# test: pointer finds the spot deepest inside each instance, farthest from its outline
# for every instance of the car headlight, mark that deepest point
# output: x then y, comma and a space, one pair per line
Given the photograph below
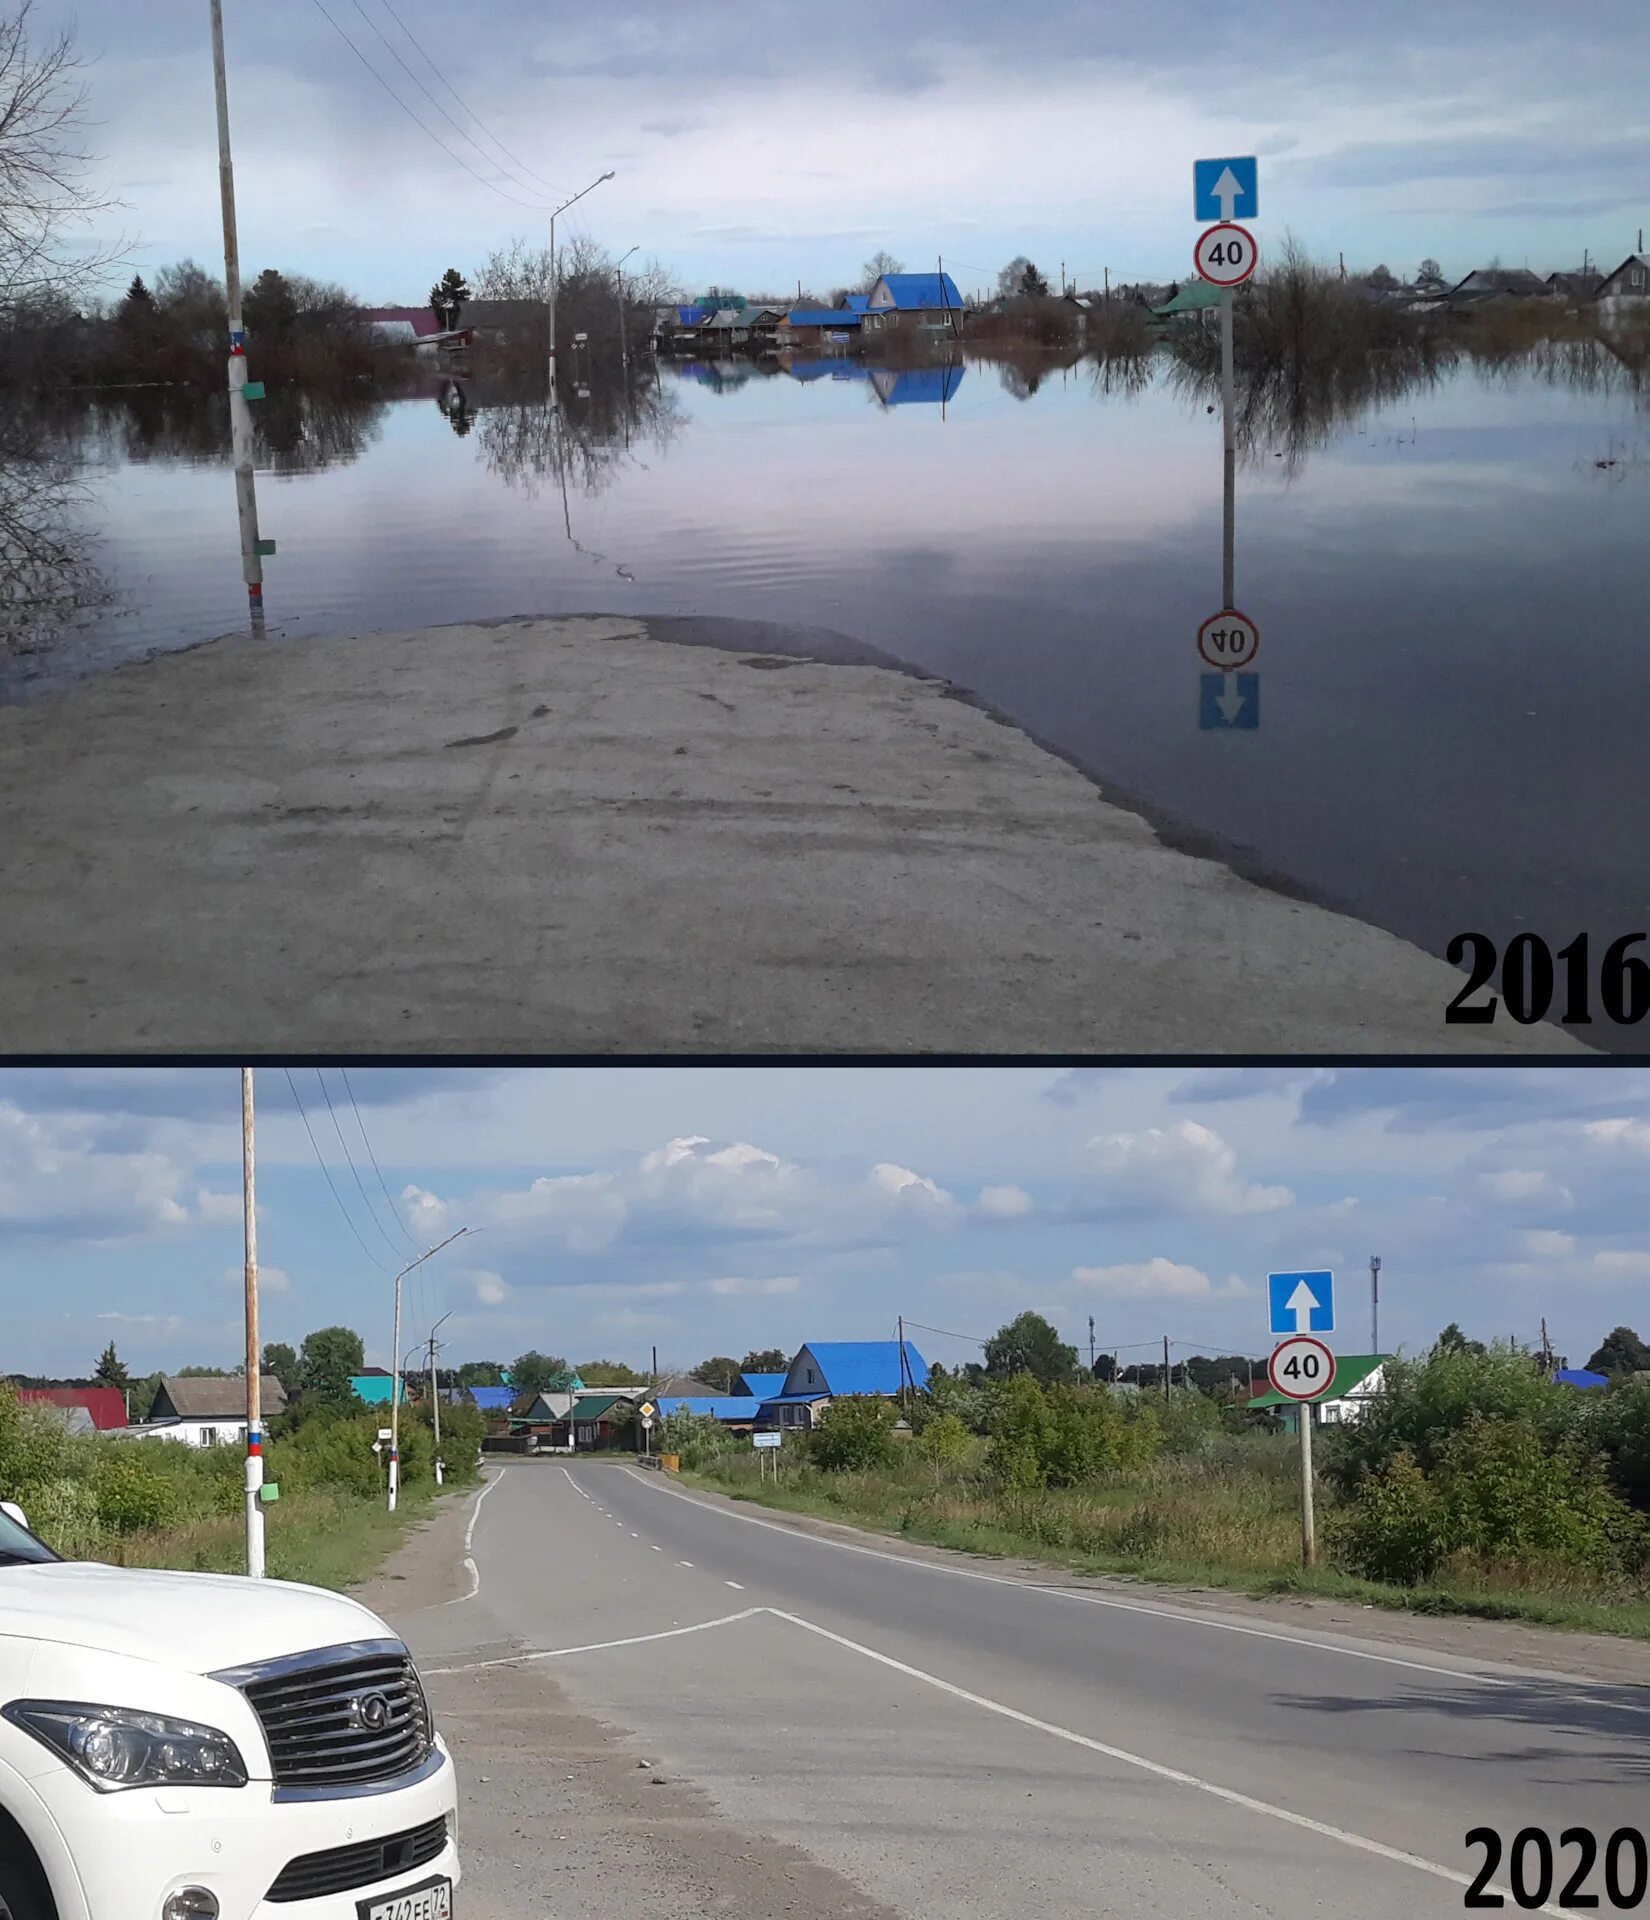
117, 1747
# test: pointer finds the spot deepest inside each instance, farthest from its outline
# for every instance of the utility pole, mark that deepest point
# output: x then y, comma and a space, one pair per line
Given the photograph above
1107, 272
254, 1362
1546, 1348
435, 1398
395, 1354
554, 274
1374, 1303
1165, 1366
240, 417
1091, 1346
904, 1403
624, 348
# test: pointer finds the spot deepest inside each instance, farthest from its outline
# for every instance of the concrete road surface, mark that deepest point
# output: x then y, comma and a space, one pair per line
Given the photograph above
945, 1741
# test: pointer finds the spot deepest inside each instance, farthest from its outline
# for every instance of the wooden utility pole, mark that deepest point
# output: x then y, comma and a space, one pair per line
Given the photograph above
435, 1398
1165, 1366
254, 1361
1091, 1346
240, 416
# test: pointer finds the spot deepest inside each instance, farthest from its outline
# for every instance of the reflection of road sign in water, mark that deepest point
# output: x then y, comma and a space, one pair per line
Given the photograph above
1300, 1302
1226, 189
1225, 255
1229, 701
1228, 640
1301, 1368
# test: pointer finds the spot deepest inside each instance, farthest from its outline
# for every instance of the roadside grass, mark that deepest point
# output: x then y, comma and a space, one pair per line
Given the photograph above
322, 1538
1179, 1522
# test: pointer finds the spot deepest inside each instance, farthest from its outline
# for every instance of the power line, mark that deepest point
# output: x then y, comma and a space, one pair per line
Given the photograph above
348, 1221
395, 1211
366, 1200
434, 102
492, 185
520, 165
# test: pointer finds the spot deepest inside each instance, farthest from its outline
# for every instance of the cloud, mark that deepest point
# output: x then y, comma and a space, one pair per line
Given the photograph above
732, 1285
1158, 1279
60, 1177
1634, 1135
163, 1322
1005, 1203
1546, 1243
909, 1187
1622, 1263
1186, 1166
220, 1208
1525, 1186
490, 1289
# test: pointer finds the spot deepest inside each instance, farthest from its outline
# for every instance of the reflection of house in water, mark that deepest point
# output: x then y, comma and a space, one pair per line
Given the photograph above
810, 370
916, 386
721, 376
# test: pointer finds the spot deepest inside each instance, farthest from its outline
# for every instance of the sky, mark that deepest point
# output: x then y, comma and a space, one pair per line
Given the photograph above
760, 145
709, 1210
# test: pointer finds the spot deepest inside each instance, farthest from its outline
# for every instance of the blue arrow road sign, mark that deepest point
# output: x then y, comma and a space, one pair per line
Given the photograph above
1229, 700
1226, 189
1300, 1302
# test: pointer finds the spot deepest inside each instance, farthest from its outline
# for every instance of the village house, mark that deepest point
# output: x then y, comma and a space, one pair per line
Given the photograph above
207, 1412
828, 1370
1485, 284
914, 302
820, 327
1628, 288
1360, 1379
82, 1409
1580, 285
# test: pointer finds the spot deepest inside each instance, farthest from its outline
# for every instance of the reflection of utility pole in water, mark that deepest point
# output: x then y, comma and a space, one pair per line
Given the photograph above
240, 416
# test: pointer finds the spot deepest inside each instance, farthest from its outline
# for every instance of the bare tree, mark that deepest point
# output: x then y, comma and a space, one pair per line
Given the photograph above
874, 268
1010, 280
515, 272
42, 165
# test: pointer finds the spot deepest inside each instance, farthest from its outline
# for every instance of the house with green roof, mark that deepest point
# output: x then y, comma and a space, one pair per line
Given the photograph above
1360, 1379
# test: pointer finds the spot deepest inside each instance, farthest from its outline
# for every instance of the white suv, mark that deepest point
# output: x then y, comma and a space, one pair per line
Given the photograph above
190, 1746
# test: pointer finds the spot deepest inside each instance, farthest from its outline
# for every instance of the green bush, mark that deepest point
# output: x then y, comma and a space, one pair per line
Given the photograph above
1394, 1530
1616, 1425
856, 1434
944, 1443
138, 1491
697, 1437
1021, 1437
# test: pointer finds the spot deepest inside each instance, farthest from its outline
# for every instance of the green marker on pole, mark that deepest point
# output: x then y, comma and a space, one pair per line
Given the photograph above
253, 390
266, 546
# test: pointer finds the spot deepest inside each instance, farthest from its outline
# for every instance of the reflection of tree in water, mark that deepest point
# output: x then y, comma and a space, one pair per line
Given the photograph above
299, 429
1286, 410
47, 576
527, 445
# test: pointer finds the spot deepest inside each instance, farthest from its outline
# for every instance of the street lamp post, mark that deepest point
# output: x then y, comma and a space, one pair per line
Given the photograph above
624, 345
554, 276
395, 1350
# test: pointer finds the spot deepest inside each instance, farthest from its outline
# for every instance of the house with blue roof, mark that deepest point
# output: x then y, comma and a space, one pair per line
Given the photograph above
914, 302
828, 1370
856, 302
732, 1409
819, 326
762, 1385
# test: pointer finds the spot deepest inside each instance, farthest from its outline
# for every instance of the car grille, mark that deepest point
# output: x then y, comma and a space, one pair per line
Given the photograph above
312, 1876
346, 1717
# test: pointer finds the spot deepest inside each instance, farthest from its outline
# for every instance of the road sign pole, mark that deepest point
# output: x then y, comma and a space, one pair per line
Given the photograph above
1229, 453
1309, 1530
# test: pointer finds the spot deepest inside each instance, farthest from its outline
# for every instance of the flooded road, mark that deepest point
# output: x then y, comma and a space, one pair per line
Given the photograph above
1450, 587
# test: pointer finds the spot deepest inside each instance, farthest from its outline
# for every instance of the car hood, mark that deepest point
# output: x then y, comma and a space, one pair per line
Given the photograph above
196, 1622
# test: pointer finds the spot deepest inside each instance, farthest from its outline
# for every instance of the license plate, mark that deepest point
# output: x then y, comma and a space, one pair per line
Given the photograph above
433, 1901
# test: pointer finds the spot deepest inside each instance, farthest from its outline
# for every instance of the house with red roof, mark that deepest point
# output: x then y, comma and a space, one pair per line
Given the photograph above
104, 1406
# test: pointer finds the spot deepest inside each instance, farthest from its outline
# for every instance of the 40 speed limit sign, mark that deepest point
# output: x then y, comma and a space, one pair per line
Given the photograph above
1301, 1368
1226, 255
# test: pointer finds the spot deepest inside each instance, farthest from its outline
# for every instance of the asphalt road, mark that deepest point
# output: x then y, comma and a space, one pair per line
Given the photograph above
954, 1743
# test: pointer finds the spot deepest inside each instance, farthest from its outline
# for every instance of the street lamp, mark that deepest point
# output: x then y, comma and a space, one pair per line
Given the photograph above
624, 349
553, 273
395, 1349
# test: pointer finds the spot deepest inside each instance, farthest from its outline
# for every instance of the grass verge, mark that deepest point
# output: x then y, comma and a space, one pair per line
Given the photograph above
321, 1537
1256, 1562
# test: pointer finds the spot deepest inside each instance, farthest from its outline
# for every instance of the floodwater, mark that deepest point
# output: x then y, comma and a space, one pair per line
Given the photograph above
1451, 584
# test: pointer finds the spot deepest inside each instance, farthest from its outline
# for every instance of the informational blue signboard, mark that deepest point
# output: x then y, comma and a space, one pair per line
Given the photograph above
1226, 189
1229, 701
1300, 1302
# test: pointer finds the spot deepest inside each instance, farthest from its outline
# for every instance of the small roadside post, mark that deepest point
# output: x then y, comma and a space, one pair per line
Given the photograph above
765, 1444
1300, 1306
1225, 191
